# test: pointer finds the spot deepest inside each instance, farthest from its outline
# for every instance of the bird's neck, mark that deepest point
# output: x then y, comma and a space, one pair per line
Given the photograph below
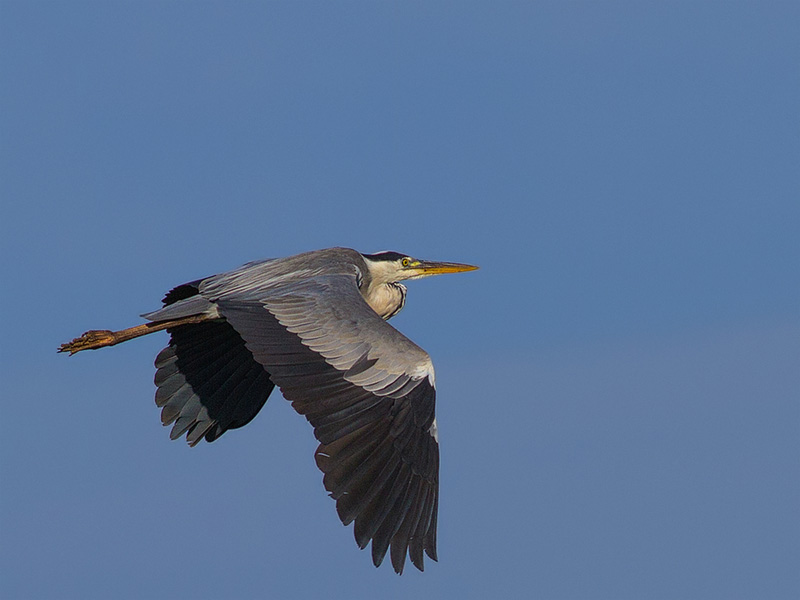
386, 299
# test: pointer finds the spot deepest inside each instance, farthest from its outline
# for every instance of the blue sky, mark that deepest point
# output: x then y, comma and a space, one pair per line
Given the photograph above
618, 397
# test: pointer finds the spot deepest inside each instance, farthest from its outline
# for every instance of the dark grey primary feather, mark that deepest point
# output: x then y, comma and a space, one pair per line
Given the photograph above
302, 324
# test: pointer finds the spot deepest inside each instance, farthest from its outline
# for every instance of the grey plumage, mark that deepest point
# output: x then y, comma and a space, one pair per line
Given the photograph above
314, 325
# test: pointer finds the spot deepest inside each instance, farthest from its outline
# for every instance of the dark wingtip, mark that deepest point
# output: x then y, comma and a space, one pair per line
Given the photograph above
379, 553
361, 540
398, 552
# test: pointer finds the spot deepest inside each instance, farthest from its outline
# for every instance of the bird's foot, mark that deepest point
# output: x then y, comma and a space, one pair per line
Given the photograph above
91, 340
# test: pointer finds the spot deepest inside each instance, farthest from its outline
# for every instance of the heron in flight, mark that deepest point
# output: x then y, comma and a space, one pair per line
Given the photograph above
314, 325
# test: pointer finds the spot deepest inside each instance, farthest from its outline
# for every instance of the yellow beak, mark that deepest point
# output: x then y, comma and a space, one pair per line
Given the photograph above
425, 268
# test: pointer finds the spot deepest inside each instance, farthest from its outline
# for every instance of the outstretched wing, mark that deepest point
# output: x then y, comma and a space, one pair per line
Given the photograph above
207, 380
367, 390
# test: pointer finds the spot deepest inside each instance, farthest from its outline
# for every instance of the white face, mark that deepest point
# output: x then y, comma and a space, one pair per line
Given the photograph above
386, 271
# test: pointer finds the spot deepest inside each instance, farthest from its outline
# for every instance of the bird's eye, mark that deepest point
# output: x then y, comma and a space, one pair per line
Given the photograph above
405, 262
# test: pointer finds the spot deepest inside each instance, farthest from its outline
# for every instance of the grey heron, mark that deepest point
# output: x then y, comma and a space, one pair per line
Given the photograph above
315, 325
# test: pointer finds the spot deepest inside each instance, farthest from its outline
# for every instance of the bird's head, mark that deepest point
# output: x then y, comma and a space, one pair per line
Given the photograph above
390, 267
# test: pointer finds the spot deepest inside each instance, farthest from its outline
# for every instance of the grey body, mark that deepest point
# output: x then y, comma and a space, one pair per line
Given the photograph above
314, 325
